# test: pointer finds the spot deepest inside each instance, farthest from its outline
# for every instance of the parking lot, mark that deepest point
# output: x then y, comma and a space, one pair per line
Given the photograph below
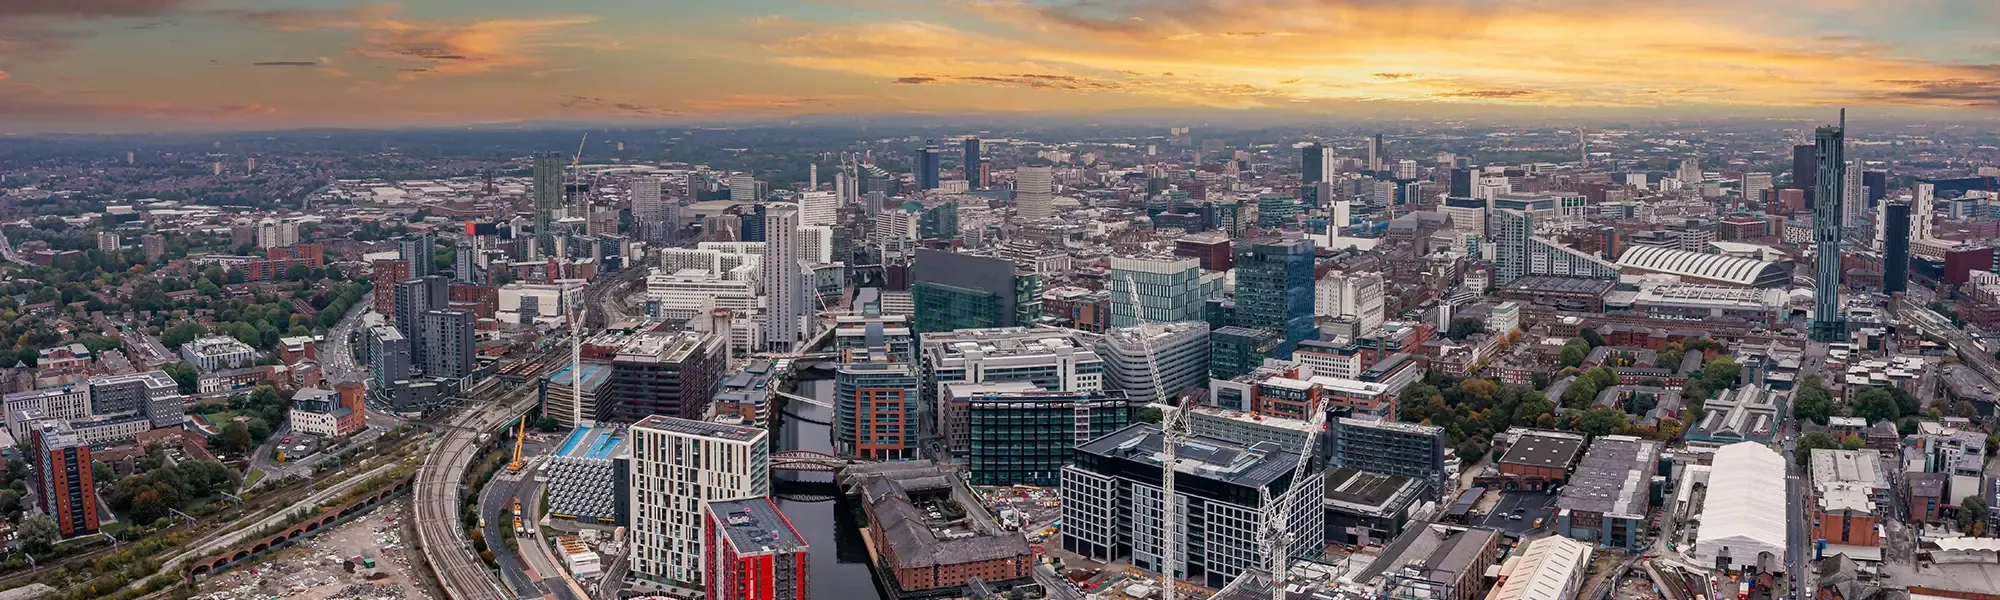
1531, 504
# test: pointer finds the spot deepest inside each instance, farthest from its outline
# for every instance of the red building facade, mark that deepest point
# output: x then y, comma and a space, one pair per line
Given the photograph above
753, 552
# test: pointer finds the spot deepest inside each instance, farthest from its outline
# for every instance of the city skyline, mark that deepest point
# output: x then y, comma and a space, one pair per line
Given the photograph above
136, 65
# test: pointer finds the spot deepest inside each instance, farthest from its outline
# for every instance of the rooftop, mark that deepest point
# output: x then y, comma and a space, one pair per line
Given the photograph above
1446, 549
1537, 449
699, 428
1614, 477
1359, 490
593, 442
754, 526
1255, 466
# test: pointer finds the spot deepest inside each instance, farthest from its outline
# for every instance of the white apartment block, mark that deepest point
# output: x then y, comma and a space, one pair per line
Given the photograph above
678, 466
690, 292
819, 209
1357, 295
217, 353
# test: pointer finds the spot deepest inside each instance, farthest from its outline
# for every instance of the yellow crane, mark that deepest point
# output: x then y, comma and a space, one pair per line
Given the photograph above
518, 436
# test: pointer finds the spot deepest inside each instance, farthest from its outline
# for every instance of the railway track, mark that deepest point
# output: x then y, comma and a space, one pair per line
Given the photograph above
440, 483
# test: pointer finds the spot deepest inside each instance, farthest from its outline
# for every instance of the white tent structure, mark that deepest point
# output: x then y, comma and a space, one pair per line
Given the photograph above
1743, 517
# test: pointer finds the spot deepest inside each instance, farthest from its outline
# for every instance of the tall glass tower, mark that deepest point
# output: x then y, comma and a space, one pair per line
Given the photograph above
548, 199
1274, 290
1828, 179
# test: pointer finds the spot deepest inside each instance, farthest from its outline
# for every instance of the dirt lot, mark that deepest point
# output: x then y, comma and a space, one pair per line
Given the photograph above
303, 570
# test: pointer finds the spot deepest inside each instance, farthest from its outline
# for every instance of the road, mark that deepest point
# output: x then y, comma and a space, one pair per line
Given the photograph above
440, 484
1937, 326
531, 572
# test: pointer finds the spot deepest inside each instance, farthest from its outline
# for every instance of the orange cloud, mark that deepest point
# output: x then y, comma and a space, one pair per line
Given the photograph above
435, 48
1265, 53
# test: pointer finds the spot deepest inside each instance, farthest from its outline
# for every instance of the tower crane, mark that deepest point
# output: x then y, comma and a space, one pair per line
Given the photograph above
1173, 433
1276, 538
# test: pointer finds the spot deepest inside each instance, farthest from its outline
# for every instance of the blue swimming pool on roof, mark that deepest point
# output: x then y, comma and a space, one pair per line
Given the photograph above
606, 441
575, 437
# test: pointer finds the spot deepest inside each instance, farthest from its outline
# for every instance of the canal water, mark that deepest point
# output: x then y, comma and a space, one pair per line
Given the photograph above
837, 564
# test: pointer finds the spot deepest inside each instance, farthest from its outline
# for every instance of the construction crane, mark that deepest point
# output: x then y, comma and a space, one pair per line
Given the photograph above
1275, 539
1173, 433
519, 434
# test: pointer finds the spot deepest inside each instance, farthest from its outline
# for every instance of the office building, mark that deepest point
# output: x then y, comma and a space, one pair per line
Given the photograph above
753, 553
1235, 351
62, 483
1112, 504
318, 412
960, 291
448, 343
562, 399
1461, 183
651, 220
1051, 360
1896, 247
1385, 446
1353, 295
876, 410
1274, 290
1830, 155
974, 167
1607, 500
678, 467
217, 353
743, 188
928, 166
673, 374
785, 312
1275, 210
1179, 351
548, 191
874, 337
1034, 192
538, 304
1754, 186
1023, 435
1376, 157
1168, 288
1312, 164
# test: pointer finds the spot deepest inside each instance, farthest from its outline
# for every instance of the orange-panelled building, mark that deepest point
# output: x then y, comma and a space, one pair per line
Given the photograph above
754, 553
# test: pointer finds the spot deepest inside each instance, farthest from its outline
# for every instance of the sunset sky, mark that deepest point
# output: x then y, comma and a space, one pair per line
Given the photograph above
102, 65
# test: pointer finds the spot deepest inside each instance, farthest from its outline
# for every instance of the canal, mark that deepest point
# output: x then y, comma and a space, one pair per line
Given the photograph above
837, 562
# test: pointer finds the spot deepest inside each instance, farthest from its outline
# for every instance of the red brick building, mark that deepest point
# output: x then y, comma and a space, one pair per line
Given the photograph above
753, 552
356, 417
386, 273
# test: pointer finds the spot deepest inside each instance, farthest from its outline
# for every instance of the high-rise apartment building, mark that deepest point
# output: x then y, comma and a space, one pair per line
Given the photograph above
1034, 192
548, 190
413, 297
1830, 155
1853, 198
63, 485
678, 467
386, 274
1376, 157
1179, 351
154, 245
1754, 185
1356, 295
1168, 288
1274, 290
648, 210
1112, 504
277, 233
785, 312
753, 552
388, 357
448, 343
928, 166
416, 250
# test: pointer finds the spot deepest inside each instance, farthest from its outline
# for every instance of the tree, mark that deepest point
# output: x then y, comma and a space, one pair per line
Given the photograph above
1811, 441
1151, 414
1464, 328
1813, 402
1573, 353
1581, 393
1669, 358
1591, 337
184, 375
100, 473
182, 333
39, 533
547, 424
1853, 443
1602, 421
234, 439
1721, 373
1876, 404
1972, 515
10, 501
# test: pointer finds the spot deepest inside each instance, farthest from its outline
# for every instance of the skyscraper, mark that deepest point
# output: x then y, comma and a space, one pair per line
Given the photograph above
1461, 182
1853, 197
819, 208
1828, 185
781, 272
448, 340
413, 298
648, 210
1274, 290
62, 480
1896, 248
1034, 192
548, 199
670, 489
1511, 230
1805, 171
927, 168
974, 169
1375, 155
464, 268
1312, 168
1754, 184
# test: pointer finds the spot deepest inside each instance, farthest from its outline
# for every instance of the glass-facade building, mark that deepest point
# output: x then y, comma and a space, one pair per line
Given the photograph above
1235, 351
1026, 436
1168, 289
960, 291
1274, 291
